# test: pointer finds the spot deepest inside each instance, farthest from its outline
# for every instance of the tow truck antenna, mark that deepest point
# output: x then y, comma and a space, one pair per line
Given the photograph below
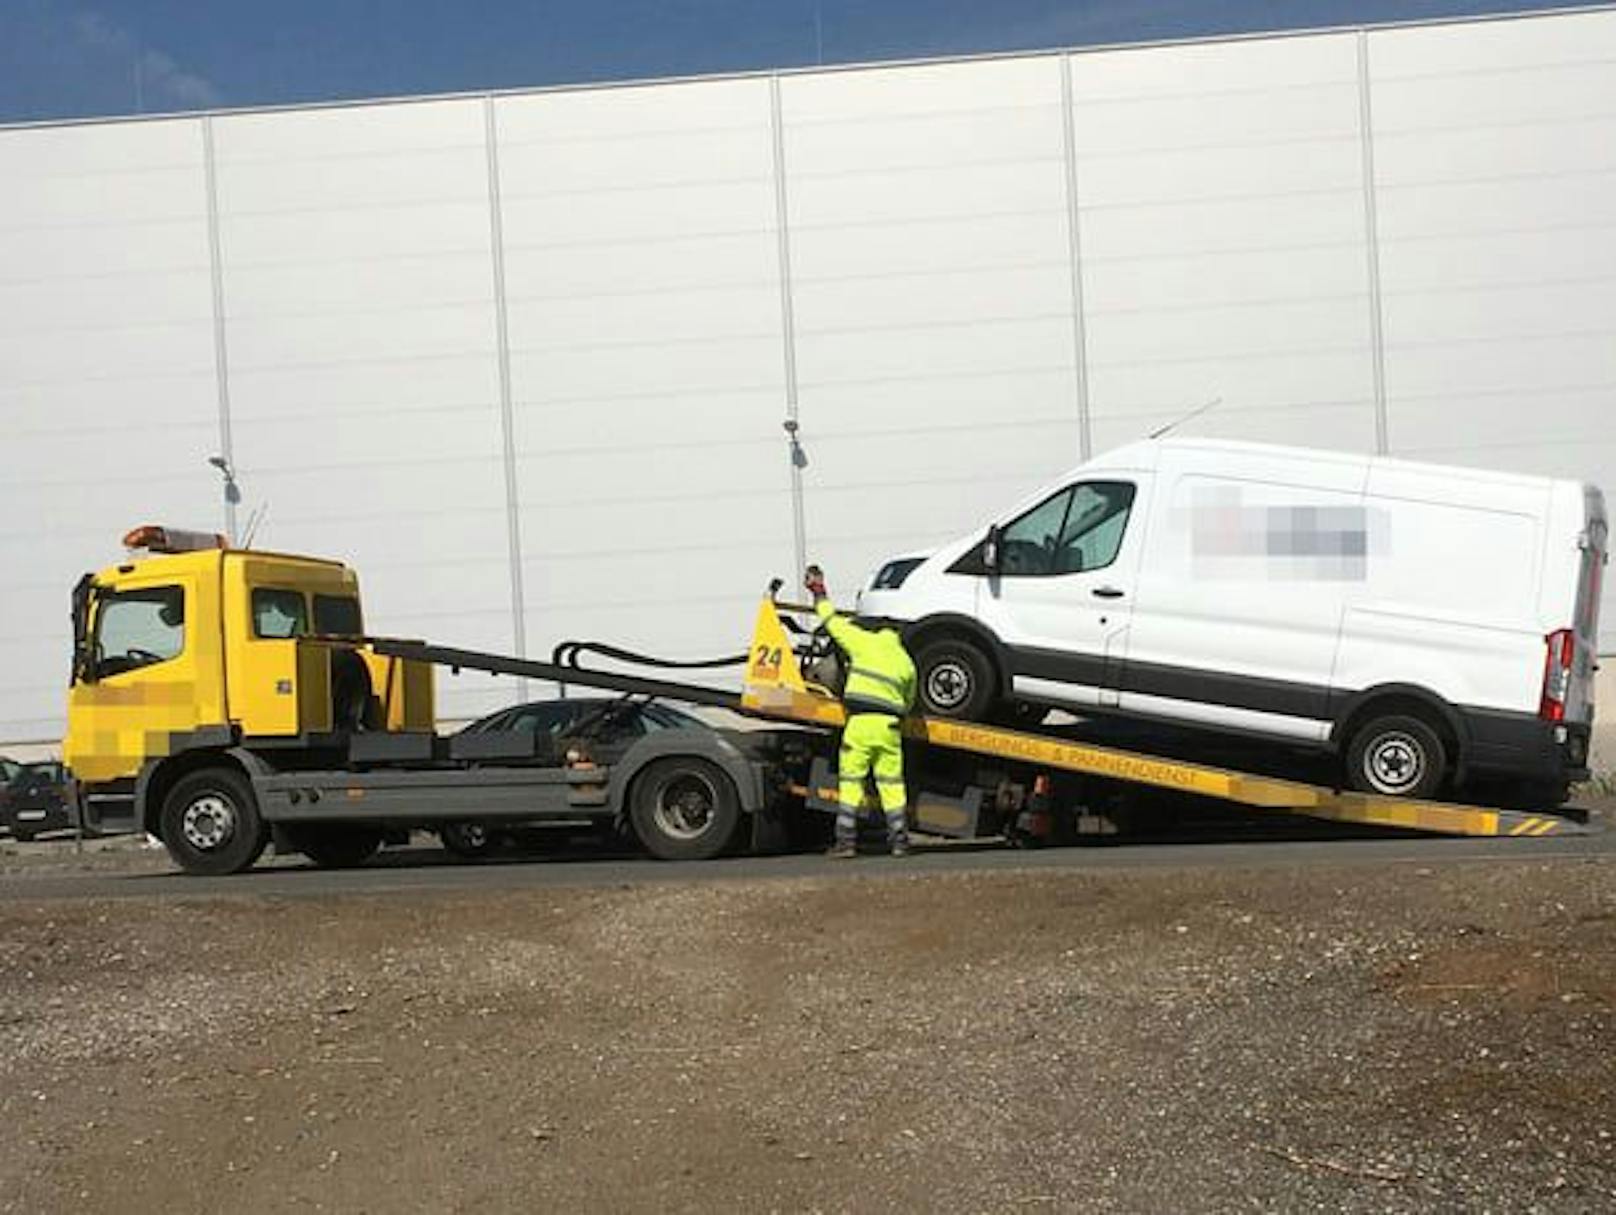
253, 520
1177, 422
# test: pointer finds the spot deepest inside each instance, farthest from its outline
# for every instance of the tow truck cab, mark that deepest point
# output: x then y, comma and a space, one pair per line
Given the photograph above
189, 648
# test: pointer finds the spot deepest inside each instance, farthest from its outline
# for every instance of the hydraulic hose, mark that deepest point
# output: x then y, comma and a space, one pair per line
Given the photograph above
568, 652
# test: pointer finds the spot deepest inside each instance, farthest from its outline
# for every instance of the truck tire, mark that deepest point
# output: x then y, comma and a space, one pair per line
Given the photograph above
956, 679
470, 840
22, 837
684, 809
336, 845
210, 823
1396, 756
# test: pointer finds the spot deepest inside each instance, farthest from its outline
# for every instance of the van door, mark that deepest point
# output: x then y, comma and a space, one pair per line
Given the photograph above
1061, 596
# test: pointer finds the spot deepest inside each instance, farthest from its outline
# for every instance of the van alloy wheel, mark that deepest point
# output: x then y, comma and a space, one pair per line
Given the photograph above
956, 679
1398, 755
948, 685
1394, 763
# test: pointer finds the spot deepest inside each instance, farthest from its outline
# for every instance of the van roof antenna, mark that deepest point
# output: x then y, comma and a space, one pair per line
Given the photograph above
1177, 422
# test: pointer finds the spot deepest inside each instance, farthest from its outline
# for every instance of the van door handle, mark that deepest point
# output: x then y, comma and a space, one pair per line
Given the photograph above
1107, 592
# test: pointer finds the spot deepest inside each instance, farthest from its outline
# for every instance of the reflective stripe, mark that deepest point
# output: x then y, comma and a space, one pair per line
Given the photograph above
889, 780
865, 672
868, 706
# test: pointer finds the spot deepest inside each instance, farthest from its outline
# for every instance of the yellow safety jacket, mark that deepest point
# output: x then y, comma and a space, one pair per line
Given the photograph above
881, 676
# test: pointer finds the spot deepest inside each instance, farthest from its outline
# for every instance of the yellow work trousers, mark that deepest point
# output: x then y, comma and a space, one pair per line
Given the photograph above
872, 745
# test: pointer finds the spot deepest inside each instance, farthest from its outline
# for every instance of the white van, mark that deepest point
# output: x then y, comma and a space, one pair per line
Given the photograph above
1434, 626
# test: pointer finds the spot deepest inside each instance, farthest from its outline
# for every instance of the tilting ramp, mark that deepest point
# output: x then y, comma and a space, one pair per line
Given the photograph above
775, 688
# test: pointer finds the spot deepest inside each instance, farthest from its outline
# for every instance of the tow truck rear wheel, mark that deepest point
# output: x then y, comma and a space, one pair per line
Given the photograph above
684, 809
336, 845
210, 823
470, 840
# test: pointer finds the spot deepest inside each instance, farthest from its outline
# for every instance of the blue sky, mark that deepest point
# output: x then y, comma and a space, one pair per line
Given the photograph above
67, 59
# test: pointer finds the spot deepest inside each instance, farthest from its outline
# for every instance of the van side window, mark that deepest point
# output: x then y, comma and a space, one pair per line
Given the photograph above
1075, 531
279, 614
1095, 523
139, 628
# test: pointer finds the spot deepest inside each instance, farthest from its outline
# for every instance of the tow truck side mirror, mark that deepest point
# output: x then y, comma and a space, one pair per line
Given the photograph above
992, 550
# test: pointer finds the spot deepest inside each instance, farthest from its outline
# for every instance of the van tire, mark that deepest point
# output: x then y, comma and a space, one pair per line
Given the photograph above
210, 823
955, 679
1396, 756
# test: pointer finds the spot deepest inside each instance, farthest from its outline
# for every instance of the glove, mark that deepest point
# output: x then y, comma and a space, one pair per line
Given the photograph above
814, 580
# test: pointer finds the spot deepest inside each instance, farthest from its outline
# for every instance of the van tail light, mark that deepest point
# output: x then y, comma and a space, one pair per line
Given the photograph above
1557, 665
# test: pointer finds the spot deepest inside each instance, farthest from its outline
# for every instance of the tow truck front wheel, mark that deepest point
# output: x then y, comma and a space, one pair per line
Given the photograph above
210, 823
684, 809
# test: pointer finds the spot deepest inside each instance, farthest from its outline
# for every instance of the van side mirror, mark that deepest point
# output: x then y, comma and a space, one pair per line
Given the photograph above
992, 550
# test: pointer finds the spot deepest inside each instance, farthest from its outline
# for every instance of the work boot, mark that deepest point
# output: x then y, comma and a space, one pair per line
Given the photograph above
843, 850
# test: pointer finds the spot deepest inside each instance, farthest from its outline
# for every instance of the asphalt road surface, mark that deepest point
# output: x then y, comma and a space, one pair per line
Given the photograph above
430, 869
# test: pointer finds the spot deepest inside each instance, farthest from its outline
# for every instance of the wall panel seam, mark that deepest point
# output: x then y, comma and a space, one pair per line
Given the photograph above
1377, 335
1074, 241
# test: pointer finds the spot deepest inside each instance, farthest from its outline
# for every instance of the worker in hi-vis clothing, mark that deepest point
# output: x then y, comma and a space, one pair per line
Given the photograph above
880, 689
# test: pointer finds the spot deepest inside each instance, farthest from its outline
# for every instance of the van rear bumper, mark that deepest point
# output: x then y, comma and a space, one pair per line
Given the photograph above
1524, 747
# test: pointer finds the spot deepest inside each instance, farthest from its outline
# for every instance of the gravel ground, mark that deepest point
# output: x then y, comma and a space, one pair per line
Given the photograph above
1341, 1038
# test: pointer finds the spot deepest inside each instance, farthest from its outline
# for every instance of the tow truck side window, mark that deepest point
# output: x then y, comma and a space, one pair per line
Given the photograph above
279, 614
139, 628
337, 616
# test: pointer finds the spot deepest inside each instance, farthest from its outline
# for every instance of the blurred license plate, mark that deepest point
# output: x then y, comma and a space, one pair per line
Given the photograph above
30, 816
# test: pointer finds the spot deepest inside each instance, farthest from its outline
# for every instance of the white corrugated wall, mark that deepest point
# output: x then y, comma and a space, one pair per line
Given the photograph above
524, 360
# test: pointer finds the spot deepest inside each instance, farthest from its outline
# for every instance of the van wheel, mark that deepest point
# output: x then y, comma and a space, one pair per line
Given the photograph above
956, 680
684, 809
210, 823
1396, 757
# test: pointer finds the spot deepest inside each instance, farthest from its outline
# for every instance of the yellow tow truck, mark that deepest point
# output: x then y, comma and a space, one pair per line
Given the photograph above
222, 698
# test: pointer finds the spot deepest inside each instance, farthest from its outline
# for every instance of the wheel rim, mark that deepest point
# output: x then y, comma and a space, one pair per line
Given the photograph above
209, 822
948, 685
474, 835
1394, 763
685, 806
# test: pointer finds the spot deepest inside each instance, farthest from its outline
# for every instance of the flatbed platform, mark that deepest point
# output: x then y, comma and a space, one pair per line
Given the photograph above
775, 690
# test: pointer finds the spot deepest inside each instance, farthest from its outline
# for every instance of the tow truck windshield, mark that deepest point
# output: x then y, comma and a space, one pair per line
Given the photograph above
134, 629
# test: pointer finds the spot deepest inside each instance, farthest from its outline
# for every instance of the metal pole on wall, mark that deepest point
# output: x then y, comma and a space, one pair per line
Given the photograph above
221, 353
797, 458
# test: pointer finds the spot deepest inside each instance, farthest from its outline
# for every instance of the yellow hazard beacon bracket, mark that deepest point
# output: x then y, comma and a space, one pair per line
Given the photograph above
775, 688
